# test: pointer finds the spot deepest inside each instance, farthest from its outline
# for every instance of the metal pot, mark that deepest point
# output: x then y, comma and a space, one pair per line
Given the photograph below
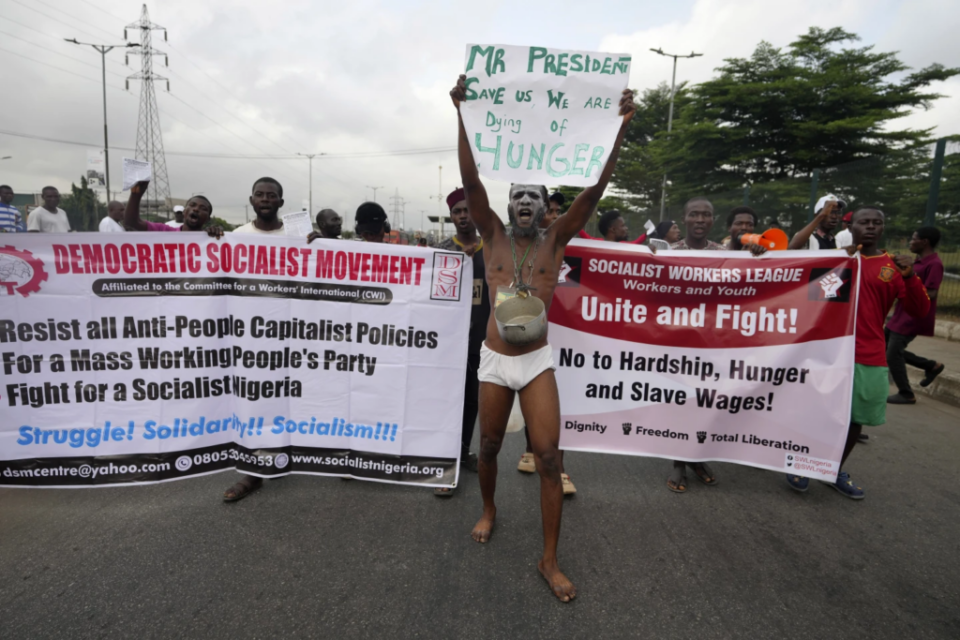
521, 321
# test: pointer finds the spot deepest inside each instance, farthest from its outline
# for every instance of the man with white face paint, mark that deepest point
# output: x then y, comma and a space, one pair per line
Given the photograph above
525, 261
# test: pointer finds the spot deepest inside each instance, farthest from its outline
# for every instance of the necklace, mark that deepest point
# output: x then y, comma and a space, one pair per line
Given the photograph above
523, 288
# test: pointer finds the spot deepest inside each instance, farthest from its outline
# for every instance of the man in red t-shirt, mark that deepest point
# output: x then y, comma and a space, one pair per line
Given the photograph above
883, 280
902, 329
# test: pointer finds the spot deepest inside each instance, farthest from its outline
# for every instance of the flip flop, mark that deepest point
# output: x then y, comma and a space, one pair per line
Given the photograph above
568, 488
443, 492
704, 473
527, 464
678, 478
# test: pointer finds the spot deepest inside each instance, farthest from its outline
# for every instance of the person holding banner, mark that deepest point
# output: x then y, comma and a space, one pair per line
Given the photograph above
330, 224
698, 218
266, 200
740, 220
467, 241
883, 281
196, 214
507, 368
371, 222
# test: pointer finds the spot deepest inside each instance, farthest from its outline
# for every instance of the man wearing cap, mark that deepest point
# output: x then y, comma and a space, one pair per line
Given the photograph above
523, 263
371, 222
845, 237
177, 221
467, 241
819, 233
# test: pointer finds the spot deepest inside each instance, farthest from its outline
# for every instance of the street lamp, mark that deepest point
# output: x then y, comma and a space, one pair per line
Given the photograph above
673, 91
104, 49
309, 157
374, 191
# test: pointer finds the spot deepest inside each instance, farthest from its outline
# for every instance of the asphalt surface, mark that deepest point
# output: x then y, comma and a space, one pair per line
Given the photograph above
307, 556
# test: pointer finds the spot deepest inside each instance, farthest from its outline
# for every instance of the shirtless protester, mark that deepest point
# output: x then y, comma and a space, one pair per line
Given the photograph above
506, 369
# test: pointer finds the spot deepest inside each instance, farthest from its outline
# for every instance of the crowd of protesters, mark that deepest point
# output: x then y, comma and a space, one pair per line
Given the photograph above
881, 342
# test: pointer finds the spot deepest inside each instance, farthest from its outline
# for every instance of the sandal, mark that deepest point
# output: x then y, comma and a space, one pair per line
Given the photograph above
568, 488
527, 464
798, 483
443, 492
677, 482
704, 473
242, 489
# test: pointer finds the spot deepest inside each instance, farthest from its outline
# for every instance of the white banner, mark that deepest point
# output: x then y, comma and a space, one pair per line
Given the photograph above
162, 356
96, 169
707, 355
535, 115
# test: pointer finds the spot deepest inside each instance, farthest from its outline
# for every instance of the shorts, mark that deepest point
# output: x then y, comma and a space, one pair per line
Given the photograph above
870, 390
514, 372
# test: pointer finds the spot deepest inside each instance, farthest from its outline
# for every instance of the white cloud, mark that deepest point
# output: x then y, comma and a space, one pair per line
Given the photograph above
370, 75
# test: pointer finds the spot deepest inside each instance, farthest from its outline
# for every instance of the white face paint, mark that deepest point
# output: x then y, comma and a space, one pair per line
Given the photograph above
528, 205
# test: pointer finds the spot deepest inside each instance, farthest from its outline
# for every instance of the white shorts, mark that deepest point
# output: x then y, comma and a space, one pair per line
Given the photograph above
514, 372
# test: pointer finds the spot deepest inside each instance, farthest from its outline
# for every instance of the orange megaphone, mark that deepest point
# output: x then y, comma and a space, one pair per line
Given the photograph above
772, 239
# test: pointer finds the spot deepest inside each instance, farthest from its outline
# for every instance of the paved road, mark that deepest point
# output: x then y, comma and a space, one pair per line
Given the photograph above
307, 557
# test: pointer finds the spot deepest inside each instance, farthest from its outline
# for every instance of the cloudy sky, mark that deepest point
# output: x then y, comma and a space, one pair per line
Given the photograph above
359, 80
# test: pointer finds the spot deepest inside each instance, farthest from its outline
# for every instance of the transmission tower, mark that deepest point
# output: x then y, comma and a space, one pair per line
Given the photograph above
149, 135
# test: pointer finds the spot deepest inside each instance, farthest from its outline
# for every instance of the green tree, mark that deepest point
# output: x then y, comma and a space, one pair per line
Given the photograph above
637, 173
223, 223
83, 207
769, 121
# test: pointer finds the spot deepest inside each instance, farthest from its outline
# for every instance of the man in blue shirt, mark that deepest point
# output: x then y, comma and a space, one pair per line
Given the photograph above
10, 219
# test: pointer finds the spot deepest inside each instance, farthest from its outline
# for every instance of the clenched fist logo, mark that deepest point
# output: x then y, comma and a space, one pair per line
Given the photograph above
626, 428
701, 436
830, 284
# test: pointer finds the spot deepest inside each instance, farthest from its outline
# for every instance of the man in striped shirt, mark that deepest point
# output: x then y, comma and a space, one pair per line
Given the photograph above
10, 219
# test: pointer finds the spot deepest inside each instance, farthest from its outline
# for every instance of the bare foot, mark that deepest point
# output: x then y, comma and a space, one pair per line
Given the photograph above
559, 583
484, 527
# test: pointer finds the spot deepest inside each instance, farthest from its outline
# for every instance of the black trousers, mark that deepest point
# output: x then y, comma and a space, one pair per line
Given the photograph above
898, 358
471, 402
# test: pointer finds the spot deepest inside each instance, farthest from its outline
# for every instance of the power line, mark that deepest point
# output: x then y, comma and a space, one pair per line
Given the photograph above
63, 55
53, 66
47, 15
229, 93
102, 10
72, 17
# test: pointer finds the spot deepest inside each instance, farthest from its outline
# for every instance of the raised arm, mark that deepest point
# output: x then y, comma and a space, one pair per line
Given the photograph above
131, 215
478, 204
586, 203
915, 300
802, 238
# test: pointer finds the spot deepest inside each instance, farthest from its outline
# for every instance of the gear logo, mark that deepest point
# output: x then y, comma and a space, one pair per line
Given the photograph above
20, 272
